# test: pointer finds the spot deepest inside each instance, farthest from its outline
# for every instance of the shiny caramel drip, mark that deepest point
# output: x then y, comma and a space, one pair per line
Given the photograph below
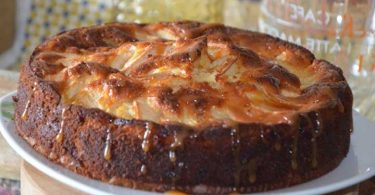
172, 156
35, 87
294, 152
143, 169
294, 146
262, 134
107, 148
178, 140
316, 132
314, 162
174, 182
340, 106
24, 115
252, 168
60, 135
277, 145
236, 142
146, 143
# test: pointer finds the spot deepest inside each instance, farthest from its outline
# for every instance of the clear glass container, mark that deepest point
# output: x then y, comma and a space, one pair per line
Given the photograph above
340, 31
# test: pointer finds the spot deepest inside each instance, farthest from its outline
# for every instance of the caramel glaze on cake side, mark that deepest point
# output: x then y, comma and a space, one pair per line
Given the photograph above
186, 106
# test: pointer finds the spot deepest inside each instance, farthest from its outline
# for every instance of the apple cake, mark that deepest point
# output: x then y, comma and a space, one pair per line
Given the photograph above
185, 106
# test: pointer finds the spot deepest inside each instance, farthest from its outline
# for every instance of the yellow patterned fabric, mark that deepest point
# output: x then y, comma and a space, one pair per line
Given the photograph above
50, 17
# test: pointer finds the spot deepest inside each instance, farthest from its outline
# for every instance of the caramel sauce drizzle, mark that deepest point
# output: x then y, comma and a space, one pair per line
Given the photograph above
24, 115
172, 156
262, 134
178, 140
107, 148
60, 135
252, 168
146, 143
277, 146
294, 152
143, 169
340, 106
236, 142
316, 132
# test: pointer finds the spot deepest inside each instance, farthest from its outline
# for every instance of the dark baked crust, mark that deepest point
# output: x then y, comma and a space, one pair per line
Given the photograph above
248, 157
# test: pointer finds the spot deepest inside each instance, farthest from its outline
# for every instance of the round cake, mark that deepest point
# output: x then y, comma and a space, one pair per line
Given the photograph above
185, 106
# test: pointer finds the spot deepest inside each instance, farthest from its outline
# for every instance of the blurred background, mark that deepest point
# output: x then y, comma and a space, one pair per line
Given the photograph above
340, 31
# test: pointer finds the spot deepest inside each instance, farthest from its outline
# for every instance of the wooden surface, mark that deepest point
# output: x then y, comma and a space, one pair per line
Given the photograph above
34, 182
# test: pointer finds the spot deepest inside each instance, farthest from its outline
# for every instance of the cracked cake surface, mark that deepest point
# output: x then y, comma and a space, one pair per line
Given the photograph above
187, 106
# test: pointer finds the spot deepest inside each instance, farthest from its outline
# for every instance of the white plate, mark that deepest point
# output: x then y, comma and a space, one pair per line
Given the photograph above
356, 167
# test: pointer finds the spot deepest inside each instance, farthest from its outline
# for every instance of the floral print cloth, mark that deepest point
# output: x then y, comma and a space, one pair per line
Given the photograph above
39, 19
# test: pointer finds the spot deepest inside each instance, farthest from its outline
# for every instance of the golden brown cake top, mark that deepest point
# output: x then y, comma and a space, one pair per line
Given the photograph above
187, 72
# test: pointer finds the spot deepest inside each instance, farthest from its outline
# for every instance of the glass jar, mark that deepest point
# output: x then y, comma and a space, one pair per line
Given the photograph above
340, 31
